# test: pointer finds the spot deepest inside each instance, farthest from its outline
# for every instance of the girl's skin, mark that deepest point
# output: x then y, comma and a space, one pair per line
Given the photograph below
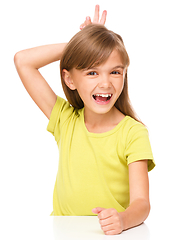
106, 78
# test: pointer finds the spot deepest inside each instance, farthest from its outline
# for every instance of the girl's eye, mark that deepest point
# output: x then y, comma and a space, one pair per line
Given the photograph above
115, 72
92, 73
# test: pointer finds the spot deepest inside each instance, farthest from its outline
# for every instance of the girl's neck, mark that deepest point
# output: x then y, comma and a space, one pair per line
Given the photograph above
100, 123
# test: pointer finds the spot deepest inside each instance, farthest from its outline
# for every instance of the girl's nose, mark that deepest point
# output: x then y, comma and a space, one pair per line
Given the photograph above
104, 82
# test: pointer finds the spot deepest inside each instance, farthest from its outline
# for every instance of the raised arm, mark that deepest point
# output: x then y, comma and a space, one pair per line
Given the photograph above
27, 63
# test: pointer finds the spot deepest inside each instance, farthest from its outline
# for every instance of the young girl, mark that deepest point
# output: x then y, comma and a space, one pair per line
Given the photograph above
104, 150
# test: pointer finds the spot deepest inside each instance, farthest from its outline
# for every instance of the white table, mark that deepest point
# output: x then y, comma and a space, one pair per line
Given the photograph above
79, 228
63, 228
88, 228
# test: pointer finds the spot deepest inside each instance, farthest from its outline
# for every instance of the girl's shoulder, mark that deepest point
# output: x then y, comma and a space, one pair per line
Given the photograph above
131, 129
63, 109
130, 124
136, 142
61, 112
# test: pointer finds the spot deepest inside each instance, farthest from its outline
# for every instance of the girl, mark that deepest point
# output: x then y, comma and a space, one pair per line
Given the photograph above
104, 150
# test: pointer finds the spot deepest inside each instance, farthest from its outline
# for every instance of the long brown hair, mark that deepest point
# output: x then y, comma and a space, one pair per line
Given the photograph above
89, 48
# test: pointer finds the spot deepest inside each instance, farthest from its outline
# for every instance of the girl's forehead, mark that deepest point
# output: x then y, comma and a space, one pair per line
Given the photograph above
114, 56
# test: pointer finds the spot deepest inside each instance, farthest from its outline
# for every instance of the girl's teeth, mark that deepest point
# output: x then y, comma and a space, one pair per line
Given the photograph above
103, 95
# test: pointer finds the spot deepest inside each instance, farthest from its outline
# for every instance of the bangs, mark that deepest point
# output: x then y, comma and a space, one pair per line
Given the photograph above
95, 52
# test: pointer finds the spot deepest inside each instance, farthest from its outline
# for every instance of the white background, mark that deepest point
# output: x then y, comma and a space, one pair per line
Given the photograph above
152, 33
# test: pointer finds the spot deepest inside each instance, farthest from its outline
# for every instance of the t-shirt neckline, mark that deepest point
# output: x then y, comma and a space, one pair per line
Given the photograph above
104, 134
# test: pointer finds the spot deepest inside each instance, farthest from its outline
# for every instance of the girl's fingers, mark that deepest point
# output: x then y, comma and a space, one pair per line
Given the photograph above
96, 15
82, 26
103, 18
97, 210
87, 22
96, 18
111, 232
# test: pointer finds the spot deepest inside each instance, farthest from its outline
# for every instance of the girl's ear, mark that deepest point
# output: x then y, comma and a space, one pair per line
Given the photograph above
68, 79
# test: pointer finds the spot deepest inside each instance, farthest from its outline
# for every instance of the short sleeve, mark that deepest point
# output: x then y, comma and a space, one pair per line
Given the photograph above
138, 146
59, 114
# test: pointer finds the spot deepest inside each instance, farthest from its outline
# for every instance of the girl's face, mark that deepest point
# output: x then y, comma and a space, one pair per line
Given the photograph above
98, 87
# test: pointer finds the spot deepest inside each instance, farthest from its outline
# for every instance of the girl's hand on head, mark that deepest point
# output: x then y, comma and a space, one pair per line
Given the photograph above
96, 18
110, 220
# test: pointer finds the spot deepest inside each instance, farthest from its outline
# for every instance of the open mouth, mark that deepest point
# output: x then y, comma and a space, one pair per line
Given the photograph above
102, 98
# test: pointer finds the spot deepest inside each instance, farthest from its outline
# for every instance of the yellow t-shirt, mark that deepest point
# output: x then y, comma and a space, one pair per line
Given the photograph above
93, 167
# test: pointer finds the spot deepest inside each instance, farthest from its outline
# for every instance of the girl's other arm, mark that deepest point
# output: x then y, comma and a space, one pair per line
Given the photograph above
27, 63
113, 222
139, 207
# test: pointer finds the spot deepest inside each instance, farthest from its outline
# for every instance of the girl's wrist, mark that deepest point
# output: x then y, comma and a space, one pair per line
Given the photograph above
124, 225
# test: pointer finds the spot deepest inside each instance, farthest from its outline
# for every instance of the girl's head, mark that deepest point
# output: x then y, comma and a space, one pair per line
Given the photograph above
88, 49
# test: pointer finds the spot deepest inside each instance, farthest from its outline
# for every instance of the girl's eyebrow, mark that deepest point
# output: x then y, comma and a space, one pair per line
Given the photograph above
119, 66
95, 68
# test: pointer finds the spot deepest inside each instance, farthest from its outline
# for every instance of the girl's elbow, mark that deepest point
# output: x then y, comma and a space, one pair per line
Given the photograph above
18, 59
147, 207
